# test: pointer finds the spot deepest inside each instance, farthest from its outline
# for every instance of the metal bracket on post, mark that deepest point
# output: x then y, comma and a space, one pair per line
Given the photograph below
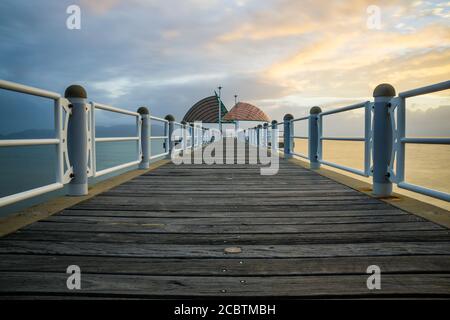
78, 140
314, 140
145, 137
288, 139
382, 140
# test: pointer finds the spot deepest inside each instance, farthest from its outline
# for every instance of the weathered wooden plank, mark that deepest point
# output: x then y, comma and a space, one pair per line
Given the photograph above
232, 238
298, 286
231, 214
227, 220
225, 267
233, 208
218, 251
233, 228
210, 201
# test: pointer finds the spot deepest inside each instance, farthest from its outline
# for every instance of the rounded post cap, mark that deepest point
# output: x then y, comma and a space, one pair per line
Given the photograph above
384, 90
75, 91
315, 110
288, 117
143, 110
183, 122
266, 125
274, 121
259, 126
169, 118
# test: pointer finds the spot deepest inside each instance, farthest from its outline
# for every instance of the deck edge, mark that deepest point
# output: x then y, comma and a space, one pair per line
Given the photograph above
417, 207
41, 211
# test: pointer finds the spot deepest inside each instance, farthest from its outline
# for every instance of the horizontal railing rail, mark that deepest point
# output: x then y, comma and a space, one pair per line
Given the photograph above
75, 140
367, 139
92, 162
397, 111
62, 114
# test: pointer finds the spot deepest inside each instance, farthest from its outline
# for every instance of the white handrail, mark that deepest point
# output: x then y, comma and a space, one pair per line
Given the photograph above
60, 106
158, 119
116, 139
12, 86
115, 109
27, 142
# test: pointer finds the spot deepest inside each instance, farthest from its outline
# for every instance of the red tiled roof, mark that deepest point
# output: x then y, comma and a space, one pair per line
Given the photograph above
246, 112
206, 110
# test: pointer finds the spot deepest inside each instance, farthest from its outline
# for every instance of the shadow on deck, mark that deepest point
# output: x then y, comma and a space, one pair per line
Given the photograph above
226, 230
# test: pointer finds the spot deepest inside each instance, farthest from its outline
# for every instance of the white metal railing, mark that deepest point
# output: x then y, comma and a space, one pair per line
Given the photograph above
367, 139
398, 108
92, 154
81, 114
62, 114
165, 137
291, 125
384, 121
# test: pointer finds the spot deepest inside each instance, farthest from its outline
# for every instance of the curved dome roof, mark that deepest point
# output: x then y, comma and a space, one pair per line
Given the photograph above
246, 112
206, 110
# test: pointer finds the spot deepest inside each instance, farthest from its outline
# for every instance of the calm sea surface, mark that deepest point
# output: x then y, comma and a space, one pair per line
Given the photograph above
28, 167
425, 165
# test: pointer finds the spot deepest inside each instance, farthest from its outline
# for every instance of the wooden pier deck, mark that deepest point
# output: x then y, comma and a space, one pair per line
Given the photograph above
227, 231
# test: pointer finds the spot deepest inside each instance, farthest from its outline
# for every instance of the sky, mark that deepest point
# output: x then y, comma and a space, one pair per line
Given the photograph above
284, 56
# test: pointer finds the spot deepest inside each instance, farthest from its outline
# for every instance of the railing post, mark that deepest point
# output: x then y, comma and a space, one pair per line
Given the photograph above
266, 134
314, 138
192, 132
258, 136
184, 135
382, 140
78, 140
145, 138
171, 119
287, 135
274, 142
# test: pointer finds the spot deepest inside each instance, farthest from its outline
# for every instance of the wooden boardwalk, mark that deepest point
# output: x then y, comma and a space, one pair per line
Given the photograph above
226, 230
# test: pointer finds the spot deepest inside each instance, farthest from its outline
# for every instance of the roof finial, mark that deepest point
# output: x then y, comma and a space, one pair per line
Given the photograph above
235, 99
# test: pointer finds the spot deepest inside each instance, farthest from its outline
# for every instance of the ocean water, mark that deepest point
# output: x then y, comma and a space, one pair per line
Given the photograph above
27, 167
425, 165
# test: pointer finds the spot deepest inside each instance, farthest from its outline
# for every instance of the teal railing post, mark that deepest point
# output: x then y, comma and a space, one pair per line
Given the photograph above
274, 136
78, 140
265, 135
145, 137
184, 135
382, 140
171, 143
314, 138
258, 136
192, 133
288, 140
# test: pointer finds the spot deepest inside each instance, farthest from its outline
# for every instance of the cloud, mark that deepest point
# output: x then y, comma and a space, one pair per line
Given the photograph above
283, 55
99, 7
